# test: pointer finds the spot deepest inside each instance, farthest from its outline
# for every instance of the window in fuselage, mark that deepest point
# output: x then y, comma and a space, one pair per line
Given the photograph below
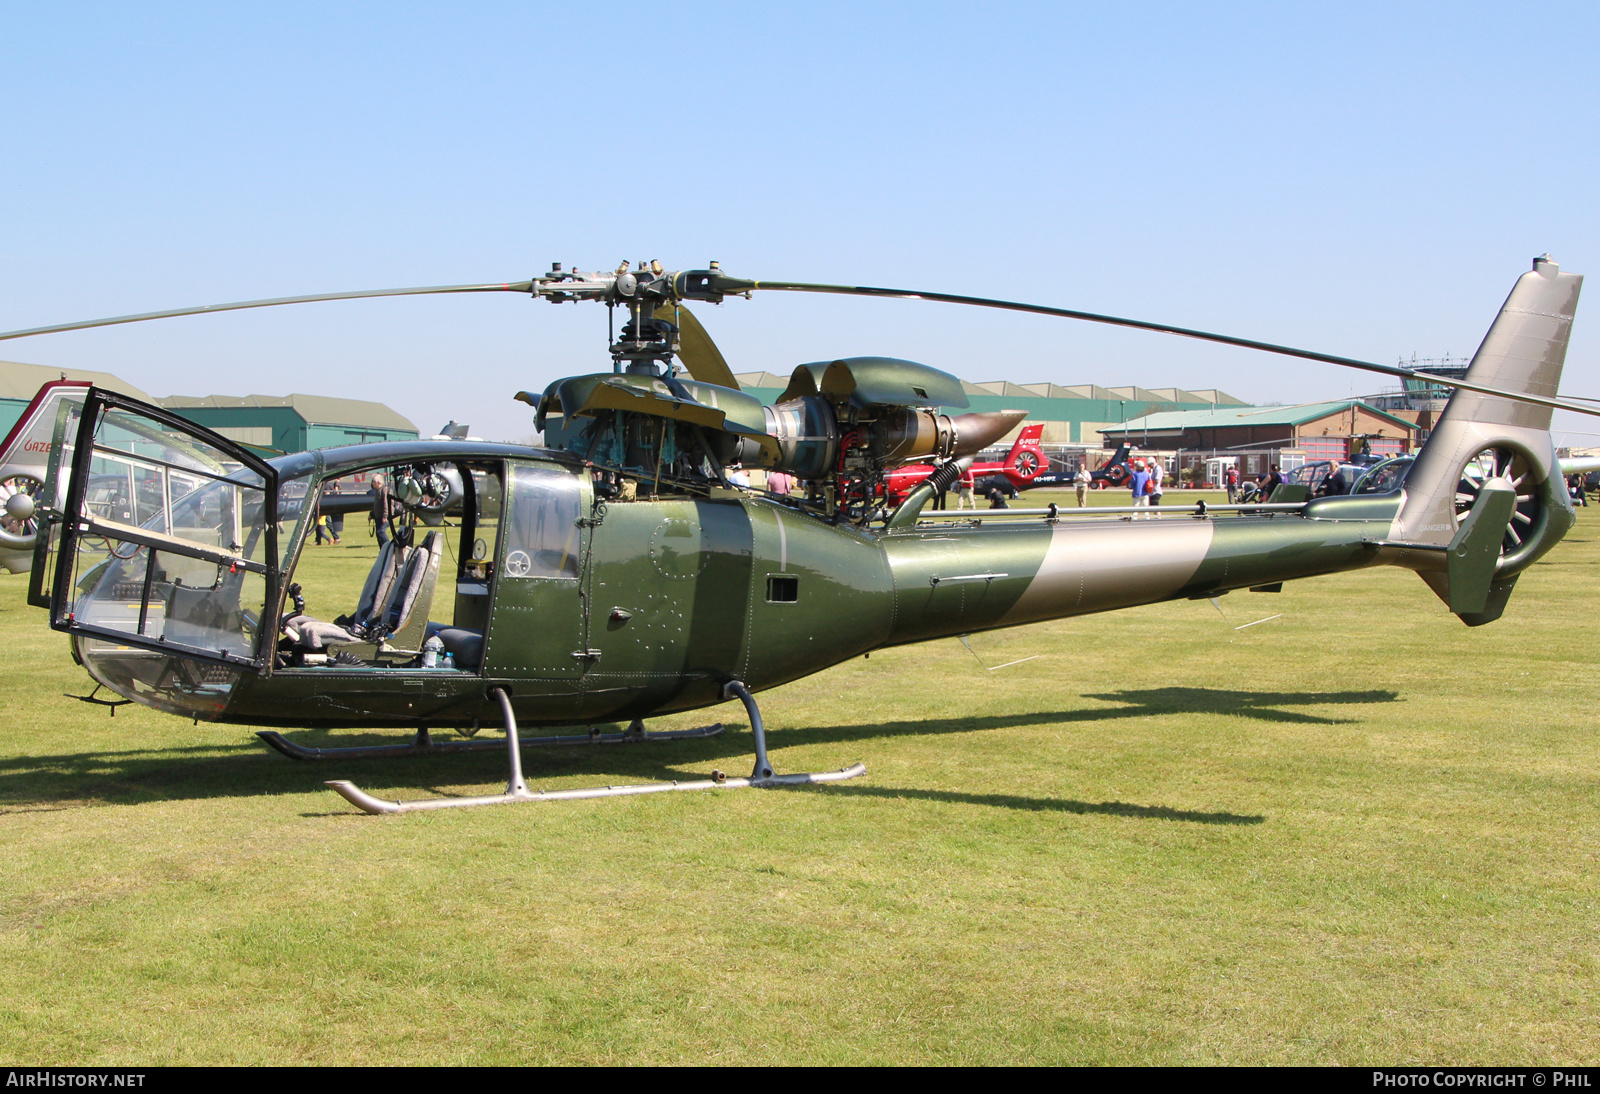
541, 528
480, 532
387, 599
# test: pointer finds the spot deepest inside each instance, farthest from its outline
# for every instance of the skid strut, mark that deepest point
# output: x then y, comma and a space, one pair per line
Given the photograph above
517, 789
423, 743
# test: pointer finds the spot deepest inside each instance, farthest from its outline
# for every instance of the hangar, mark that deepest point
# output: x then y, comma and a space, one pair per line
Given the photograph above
1300, 433
293, 423
286, 423
19, 383
1072, 414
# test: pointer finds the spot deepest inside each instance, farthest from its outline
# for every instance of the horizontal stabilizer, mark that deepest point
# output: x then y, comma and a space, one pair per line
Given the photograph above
1475, 550
1494, 606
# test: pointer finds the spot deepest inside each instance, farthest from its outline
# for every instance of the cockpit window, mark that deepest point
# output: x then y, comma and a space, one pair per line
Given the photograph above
292, 495
1386, 477
165, 564
541, 527
166, 555
189, 576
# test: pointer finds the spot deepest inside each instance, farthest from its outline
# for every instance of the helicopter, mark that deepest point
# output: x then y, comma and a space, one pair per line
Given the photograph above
617, 574
1115, 472
1018, 470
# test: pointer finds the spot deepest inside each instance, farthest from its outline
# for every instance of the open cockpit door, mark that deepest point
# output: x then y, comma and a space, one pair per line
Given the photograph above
53, 430
168, 546
25, 458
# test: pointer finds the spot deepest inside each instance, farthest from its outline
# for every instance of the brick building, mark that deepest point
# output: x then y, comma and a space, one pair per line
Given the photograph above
1298, 434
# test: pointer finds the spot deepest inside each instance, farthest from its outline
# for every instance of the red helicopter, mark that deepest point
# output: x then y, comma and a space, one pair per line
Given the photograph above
1020, 467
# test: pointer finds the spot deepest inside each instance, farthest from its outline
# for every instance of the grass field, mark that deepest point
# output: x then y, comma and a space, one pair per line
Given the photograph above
1357, 833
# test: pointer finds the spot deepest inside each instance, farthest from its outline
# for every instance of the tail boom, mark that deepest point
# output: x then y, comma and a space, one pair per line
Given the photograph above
961, 580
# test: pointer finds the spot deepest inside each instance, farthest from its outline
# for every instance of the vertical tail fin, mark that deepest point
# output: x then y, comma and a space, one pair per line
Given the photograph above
1028, 438
1486, 440
1026, 458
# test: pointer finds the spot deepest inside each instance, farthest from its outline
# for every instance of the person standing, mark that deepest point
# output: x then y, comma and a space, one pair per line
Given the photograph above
1157, 473
384, 506
1137, 484
964, 498
1231, 479
336, 518
1080, 482
780, 482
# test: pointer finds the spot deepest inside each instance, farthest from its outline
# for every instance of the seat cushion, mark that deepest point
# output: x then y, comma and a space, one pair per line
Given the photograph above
464, 645
315, 634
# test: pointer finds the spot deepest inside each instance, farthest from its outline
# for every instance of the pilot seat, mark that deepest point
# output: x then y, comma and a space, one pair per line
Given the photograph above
392, 612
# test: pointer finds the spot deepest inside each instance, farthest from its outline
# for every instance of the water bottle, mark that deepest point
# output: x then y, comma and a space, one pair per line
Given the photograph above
430, 652
449, 661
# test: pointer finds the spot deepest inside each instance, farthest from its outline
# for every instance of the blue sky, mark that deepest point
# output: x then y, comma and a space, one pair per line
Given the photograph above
1365, 180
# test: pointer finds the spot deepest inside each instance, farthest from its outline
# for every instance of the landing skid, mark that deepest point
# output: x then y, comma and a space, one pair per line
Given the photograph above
423, 743
517, 790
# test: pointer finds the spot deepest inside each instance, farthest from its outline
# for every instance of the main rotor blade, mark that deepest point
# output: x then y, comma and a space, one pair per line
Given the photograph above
696, 349
513, 286
1166, 328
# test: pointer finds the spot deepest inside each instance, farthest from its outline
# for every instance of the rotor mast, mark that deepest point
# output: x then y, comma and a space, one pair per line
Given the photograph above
649, 340
647, 343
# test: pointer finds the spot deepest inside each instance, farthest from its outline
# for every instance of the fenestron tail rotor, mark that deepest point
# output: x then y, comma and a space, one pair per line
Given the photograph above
1513, 467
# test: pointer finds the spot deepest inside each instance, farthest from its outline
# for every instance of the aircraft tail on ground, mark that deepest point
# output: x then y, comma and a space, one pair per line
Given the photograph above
1026, 458
1485, 498
1028, 437
24, 466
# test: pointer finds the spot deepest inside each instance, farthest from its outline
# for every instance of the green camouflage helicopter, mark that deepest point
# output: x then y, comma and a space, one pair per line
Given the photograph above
618, 573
